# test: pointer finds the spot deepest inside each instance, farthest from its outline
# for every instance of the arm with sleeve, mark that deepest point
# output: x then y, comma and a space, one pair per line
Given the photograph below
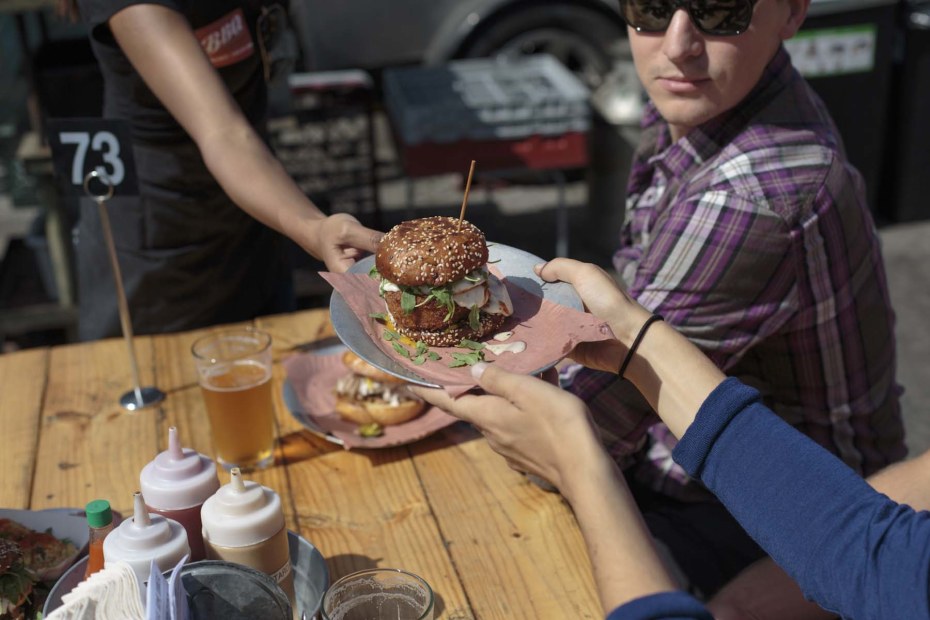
662, 606
851, 549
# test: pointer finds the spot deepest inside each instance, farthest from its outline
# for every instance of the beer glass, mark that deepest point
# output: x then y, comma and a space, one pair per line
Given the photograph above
379, 594
234, 369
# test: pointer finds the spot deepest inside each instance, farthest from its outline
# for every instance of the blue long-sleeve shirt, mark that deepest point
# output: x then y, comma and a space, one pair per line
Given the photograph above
851, 549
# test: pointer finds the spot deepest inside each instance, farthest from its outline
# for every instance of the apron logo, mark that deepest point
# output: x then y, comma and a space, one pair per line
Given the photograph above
226, 41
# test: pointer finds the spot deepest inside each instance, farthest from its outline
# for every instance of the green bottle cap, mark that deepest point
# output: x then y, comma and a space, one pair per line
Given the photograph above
98, 513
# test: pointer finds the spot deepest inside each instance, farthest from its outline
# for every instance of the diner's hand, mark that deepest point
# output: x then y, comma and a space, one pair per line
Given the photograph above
667, 369
340, 240
543, 430
537, 427
603, 298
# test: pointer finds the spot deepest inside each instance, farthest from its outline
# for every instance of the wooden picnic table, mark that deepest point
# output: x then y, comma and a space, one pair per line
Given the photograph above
490, 543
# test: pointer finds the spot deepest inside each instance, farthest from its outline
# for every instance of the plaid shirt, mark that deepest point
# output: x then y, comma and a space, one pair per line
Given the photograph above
752, 237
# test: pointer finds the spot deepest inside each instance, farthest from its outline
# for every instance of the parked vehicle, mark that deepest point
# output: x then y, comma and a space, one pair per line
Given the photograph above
585, 35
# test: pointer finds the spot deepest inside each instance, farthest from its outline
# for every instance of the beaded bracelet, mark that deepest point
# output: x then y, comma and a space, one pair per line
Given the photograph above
636, 341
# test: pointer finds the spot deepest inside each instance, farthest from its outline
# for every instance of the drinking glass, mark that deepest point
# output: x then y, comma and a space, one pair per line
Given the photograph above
379, 594
234, 370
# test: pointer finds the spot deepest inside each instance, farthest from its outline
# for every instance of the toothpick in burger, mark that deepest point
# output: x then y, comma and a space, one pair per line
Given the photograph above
435, 282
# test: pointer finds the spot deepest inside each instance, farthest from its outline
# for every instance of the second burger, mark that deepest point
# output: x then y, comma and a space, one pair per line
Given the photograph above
368, 396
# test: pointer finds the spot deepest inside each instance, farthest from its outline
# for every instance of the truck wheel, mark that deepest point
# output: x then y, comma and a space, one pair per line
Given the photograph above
583, 39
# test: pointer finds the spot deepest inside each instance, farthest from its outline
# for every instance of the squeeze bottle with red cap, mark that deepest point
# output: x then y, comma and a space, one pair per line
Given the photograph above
144, 538
243, 523
176, 483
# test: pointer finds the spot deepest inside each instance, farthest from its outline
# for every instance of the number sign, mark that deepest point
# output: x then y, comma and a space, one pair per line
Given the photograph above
82, 145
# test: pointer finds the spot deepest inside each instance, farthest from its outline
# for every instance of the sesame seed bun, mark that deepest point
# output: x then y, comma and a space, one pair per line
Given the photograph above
368, 395
385, 414
431, 251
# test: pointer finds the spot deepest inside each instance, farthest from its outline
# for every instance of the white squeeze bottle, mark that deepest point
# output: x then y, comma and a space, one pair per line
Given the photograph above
244, 523
175, 485
144, 538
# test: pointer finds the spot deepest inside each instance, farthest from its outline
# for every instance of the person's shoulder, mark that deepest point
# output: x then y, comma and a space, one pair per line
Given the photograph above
782, 168
802, 153
779, 153
787, 125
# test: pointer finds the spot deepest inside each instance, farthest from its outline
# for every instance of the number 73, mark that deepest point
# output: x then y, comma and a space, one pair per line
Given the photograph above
103, 142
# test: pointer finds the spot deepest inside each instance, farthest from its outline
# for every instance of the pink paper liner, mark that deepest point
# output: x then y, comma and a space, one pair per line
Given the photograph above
549, 330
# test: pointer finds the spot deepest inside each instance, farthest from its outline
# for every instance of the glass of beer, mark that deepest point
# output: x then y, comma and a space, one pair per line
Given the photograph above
379, 594
234, 369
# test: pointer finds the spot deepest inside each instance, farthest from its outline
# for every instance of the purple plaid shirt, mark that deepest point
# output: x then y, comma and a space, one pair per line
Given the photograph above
752, 237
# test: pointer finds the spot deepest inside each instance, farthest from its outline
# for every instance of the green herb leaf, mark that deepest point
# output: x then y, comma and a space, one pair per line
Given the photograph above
391, 335
408, 301
401, 349
474, 318
423, 353
381, 316
471, 344
458, 360
466, 359
443, 296
373, 273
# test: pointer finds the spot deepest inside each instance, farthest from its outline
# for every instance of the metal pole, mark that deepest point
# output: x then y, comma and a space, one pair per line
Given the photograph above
140, 397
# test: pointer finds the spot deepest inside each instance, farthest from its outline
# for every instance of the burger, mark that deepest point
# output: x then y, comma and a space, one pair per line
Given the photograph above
435, 282
367, 395
15, 582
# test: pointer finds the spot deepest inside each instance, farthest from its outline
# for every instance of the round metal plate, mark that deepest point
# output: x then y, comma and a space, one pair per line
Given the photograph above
515, 265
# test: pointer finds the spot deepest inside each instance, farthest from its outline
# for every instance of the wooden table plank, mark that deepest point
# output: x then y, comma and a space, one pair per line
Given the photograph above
516, 547
361, 508
90, 447
183, 407
24, 376
490, 543
367, 508
295, 444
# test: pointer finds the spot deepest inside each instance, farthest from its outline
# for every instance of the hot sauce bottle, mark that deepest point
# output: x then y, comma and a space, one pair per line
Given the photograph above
175, 485
100, 522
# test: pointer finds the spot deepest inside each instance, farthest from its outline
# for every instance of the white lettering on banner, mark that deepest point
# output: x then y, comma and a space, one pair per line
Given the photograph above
231, 29
226, 41
834, 51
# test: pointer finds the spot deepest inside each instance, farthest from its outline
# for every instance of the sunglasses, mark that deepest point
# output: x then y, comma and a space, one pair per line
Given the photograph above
718, 18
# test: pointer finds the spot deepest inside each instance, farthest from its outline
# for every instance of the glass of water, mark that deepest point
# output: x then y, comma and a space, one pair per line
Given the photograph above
379, 594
